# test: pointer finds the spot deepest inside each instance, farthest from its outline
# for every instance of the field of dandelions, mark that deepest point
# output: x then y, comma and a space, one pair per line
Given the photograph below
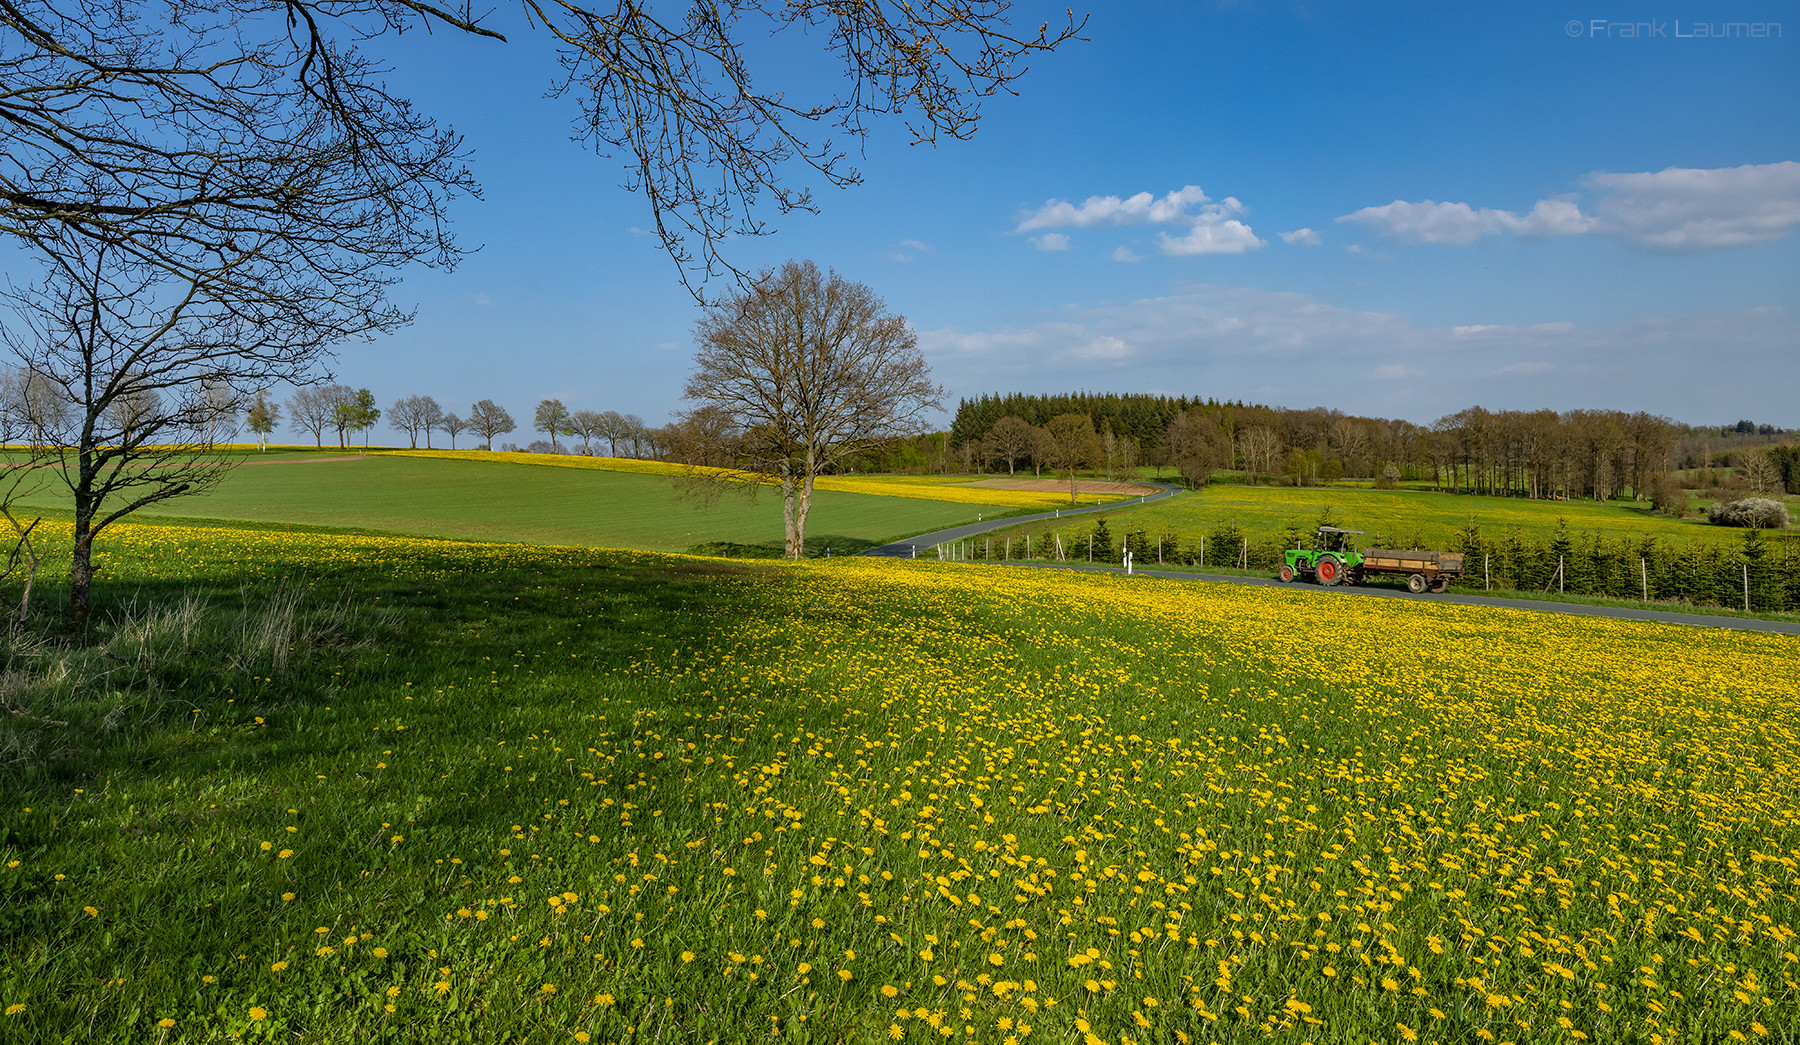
327, 788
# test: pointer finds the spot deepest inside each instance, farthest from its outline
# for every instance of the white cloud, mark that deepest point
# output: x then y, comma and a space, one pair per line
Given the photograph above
1677, 209
1123, 253
1295, 350
1141, 209
483, 300
1684, 209
1213, 228
1459, 224
908, 249
1213, 234
1301, 238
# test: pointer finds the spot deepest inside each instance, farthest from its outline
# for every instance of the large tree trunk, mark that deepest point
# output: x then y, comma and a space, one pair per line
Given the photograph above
1072, 500
791, 543
805, 505
81, 568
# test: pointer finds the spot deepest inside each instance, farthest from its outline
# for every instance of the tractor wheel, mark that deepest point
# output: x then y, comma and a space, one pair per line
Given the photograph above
1328, 570
1415, 583
1286, 575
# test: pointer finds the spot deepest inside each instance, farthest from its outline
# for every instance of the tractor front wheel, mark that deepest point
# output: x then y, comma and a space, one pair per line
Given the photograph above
1329, 570
1286, 574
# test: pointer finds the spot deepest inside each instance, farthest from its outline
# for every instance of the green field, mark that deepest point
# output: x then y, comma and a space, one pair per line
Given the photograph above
356, 788
481, 500
1408, 518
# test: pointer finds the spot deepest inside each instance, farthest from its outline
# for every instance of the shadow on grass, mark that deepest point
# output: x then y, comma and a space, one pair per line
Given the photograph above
817, 547
204, 748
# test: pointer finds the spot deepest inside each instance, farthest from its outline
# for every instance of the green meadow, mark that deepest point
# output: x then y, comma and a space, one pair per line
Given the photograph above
350, 788
493, 501
1407, 517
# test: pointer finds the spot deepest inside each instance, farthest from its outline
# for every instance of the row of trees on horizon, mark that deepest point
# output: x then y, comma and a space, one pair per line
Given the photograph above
1540, 454
346, 411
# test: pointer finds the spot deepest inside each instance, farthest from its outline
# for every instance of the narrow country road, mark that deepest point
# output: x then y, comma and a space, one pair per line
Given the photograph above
911, 547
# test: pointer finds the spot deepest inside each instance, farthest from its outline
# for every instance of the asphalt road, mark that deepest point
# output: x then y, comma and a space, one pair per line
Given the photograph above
911, 547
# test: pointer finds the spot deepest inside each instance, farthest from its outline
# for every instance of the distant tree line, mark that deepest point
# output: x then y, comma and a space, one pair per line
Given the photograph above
1599, 454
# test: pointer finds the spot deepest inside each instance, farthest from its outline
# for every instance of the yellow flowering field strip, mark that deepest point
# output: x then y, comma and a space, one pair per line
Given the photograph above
571, 795
922, 488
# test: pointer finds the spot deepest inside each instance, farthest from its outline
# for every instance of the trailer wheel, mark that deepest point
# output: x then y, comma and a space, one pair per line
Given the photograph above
1328, 570
1286, 574
1416, 583
1440, 585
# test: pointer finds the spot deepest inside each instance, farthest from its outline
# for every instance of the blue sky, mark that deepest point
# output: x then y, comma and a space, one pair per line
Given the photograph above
1515, 206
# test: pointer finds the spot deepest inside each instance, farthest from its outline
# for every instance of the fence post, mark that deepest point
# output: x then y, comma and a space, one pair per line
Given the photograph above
1487, 573
1244, 558
1746, 587
1159, 549
1559, 574
1644, 568
1090, 547
1203, 551
987, 549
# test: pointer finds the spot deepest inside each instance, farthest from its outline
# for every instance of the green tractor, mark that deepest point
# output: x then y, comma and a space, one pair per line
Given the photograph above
1333, 560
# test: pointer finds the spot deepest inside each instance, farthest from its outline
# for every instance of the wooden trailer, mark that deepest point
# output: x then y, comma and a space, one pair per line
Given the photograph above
1433, 570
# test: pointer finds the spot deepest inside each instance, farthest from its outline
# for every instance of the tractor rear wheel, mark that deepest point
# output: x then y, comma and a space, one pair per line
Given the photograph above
1416, 583
1286, 574
1328, 570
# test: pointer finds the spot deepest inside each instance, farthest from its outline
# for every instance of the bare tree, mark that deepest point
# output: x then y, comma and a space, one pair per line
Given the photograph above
613, 427
488, 419
176, 135
586, 426
452, 424
43, 404
315, 409
431, 416
1197, 446
1071, 445
634, 432
12, 404
810, 368
407, 414
1758, 470
138, 373
1261, 447
1010, 439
